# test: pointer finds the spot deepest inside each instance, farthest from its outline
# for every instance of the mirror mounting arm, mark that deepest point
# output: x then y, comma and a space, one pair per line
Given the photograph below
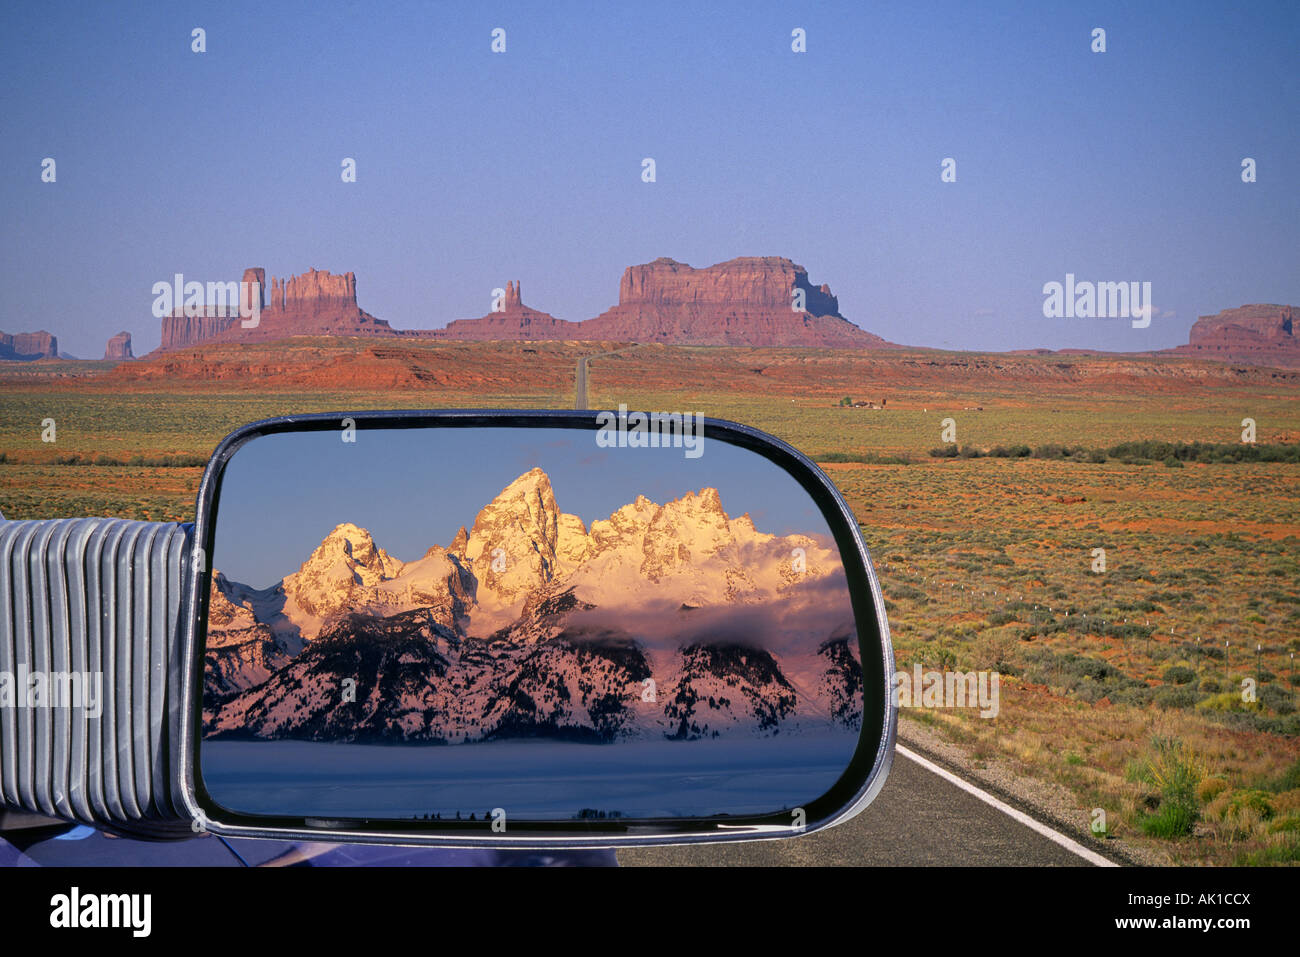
92, 619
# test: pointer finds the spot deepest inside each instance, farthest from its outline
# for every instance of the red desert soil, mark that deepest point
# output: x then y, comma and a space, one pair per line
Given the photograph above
912, 377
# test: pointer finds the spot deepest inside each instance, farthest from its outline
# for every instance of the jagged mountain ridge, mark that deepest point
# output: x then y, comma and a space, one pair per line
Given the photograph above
670, 620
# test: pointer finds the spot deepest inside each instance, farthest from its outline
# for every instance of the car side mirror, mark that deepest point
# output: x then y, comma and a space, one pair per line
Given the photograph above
466, 628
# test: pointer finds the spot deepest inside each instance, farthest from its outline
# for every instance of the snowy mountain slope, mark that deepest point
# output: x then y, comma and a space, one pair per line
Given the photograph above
672, 621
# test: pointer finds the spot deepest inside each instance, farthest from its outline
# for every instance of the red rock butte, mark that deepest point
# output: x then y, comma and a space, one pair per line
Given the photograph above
28, 345
514, 321
119, 347
760, 301
750, 301
1262, 332
315, 303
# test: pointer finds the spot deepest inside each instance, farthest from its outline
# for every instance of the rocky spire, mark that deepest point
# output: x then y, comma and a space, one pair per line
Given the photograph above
255, 274
458, 543
512, 542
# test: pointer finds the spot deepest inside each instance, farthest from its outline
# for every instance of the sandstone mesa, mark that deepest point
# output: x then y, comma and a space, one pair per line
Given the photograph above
754, 301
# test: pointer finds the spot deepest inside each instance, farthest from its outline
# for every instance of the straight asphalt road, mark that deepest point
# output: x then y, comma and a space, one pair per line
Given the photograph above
580, 385
580, 375
919, 818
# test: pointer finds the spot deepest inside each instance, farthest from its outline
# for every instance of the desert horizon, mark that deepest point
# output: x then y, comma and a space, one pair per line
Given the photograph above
764, 301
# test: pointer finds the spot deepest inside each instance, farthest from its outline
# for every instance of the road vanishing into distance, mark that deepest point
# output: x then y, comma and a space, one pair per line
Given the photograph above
580, 376
580, 384
919, 818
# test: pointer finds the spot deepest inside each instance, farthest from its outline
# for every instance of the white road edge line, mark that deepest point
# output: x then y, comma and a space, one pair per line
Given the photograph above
1092, 857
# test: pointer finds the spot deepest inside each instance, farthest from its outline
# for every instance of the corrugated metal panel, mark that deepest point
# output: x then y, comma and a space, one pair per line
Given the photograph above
98, 597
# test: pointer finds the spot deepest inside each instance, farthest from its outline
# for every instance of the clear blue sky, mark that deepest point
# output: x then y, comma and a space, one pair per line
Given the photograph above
475, 168
282, 494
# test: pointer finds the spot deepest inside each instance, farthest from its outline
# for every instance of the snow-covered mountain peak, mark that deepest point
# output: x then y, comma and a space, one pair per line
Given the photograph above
356, 548
511, 547
346, 558
524, 511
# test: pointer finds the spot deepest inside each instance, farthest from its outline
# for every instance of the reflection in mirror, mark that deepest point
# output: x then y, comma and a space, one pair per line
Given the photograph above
500, 624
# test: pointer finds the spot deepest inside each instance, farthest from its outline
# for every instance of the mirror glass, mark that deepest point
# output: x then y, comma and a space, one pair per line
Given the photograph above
522, 624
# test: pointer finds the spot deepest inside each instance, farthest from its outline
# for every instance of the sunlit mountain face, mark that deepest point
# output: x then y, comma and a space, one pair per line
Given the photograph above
663, 622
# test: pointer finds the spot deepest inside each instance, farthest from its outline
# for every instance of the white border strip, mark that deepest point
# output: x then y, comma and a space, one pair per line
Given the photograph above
1092, 857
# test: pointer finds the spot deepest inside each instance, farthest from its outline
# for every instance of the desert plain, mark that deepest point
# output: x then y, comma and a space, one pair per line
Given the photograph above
1123, 686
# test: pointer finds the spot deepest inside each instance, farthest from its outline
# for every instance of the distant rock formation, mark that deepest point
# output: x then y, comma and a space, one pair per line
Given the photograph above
314, 289
1260, 333
28, 346
755, 281
515, 322
119, 347
256, 274
179, 331
315, 303
751, 301
1266, 321
748, 301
